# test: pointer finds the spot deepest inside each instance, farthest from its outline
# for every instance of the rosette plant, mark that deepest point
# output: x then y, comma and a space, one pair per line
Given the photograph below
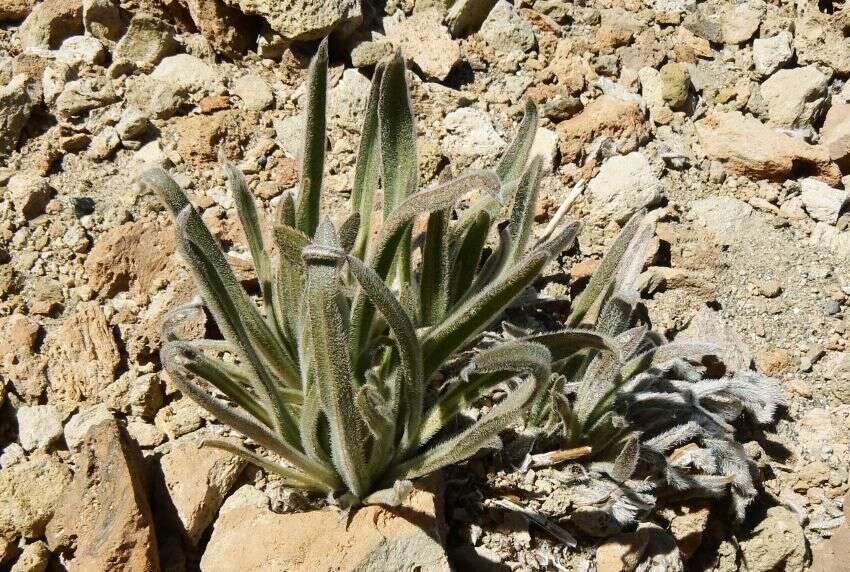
330, 364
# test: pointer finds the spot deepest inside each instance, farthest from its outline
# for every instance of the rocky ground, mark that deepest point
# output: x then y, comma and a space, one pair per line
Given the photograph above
730, 119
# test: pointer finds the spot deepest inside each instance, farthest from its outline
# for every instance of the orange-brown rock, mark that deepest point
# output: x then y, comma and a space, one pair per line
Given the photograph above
607, 116
103, 521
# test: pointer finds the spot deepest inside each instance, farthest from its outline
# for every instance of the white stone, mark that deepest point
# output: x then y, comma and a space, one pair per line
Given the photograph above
729, 219
795, 97
624, 185
471, 135
822, 202
254, 92
651, 87
505, 31
81, 50
289, 133
38, 426
546, 145
77, 427
347, 101
770, 54
187, 72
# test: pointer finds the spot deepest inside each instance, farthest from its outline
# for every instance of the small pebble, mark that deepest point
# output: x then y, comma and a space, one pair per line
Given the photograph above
831, 307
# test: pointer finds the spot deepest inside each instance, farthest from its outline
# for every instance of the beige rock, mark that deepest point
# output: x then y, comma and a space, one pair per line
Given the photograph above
34, 558
15, 10
607, 116
621, 553
748, 147
39, 426
820, 38
82, 356
624, 185
246, 537
134, 256
179, 418
18, 362
708, 325
688, 527
29, 491
103, 521
778, 543
795, 97
147, 40
50, 22
675, 85
102, 19
426, 42
835, 135
78, 426
831, 555
30, 193
223, 25
304, 20
16, 103
196, 481
147, 435
823, 202
254, 92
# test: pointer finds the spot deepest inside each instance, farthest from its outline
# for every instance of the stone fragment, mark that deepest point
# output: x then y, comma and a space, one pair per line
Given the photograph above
651, 86
82, 95
246, 533
222, 25
831, 555
79, 424
146, 435
617, 27
77, 51
624, 185
29, 491
104, 518
748, 147
254, 92
103, 20
708, 326
466, 16
34, 558
424, 40
822, 202
133, 124
347, 102
179, 418
726, 23
15, 10
50, 22
160, 99
305, 20
470, 135
369, 53
147, 40
129, 257
196, 481
39, 426
30, 193
505, 31
778, 543
607, 116
770, 54
621, 553
545, 144
835, 135
82, 356
795, 97
688, 527
104, 144
16, 105
821, 38
201, 136
187, 72
675, 85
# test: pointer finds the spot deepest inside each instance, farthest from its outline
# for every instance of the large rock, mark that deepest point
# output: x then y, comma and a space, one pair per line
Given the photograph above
778, 543
346, 104
223, 25
79, 425
821, 38
795, 97
16, 105
505, 31
303, 20
82, 355
770, 54
607, 116
466, 16
728, 218
835, 135
147, 40
103, 521
425, 41
39, 426
195, 481
50, 22
30, 193
15, 10
85, 94
129, 258
831, 555
29, 491
187, 72
726, 23
822, 202
748, 147
624, 185
103, 19
247, 537
708, 326
470, 135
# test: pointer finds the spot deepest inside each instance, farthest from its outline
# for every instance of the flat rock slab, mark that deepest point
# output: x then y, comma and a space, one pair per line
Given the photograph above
251, 538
